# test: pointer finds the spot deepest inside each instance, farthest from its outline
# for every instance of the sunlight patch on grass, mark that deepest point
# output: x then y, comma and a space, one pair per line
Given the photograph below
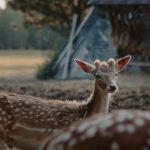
21, 63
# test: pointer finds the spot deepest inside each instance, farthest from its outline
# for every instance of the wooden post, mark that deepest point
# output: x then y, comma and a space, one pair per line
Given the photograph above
70, 47
63, 54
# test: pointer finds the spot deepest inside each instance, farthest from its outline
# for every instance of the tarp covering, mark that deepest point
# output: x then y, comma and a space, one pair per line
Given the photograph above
90, 43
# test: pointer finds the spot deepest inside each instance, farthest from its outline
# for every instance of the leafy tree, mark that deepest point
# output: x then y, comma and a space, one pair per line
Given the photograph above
56, 13
43, 38
13, 36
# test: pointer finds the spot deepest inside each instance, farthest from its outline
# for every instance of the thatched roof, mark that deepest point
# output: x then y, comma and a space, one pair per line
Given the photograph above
95, 2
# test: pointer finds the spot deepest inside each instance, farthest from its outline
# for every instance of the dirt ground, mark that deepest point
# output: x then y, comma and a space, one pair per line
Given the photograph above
134, 91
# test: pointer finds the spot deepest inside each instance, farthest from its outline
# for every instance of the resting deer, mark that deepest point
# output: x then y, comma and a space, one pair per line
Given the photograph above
26, 119
121, 130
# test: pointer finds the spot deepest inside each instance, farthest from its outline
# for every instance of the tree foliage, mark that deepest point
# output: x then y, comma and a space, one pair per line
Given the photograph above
56, 13
12, 36
15, 36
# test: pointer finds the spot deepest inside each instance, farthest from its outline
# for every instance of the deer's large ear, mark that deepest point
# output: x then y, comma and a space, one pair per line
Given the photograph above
86, 67
121, 63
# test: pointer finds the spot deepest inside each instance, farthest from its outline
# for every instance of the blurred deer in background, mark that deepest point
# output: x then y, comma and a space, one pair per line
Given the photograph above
25, 119
121, 130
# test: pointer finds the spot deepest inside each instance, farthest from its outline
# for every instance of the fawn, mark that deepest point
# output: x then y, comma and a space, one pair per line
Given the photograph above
26, 119
120, 130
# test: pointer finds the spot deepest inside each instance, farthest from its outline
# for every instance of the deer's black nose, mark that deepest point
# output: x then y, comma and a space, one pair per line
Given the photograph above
112, 88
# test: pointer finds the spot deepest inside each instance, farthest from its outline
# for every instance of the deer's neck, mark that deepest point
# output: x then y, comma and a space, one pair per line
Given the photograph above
98, 101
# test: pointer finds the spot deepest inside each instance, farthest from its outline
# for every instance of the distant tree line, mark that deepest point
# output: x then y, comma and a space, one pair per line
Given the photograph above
14, 35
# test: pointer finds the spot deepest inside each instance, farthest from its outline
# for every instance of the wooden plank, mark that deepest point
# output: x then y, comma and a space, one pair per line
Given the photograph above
70, 47
62, 55
84, 21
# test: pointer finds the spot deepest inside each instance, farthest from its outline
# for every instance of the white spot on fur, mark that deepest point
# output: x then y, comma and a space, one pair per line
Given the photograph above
20, 104
114, 146
55, 123
49, 130
147, 116
139, 122
66, 136
130, 128
42, 113
106, 124
52, 119
120, 128
31, 112
123, 115
91, 132
72, 128
17, 109
3, 113
83, 127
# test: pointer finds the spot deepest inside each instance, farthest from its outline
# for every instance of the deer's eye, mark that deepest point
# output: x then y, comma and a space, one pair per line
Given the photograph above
98, 76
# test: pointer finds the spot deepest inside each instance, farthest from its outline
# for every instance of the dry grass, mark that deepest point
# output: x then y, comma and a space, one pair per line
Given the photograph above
20, 64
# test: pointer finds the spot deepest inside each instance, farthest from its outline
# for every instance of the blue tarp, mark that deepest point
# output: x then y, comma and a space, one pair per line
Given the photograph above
92, 42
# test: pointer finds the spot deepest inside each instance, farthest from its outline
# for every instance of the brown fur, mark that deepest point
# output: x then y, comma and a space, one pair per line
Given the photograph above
120, 130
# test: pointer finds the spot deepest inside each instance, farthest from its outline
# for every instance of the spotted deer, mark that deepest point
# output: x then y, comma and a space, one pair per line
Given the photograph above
25, 119
121, 130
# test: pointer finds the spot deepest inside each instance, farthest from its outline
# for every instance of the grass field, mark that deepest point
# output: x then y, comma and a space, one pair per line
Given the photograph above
21, 64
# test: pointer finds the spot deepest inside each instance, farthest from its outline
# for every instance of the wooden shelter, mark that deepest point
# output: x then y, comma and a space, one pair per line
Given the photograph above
130, 26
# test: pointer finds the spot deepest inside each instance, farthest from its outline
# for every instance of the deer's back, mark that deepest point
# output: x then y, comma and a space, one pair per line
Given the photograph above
37, 112
25, 117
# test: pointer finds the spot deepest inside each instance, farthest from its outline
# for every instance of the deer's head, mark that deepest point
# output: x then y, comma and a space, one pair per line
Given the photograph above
105, 73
